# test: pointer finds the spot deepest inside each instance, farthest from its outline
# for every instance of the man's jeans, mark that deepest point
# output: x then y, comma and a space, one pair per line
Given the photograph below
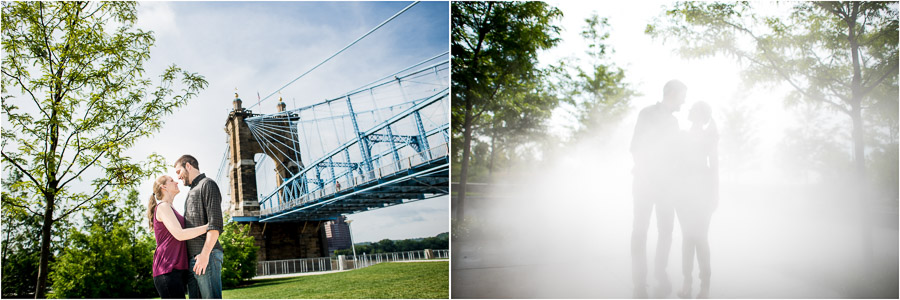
208, 285
646, 198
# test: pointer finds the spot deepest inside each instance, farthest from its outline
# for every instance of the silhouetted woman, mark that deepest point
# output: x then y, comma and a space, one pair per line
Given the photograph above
170, 261
700, 197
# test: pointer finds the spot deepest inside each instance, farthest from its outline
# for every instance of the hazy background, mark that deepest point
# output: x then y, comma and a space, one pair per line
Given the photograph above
556, 222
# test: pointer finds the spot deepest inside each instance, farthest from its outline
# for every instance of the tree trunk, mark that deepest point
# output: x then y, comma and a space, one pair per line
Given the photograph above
493, 149
464, 170
859, 154
859, 150
43, 267
6, 245
50, 193
483, 30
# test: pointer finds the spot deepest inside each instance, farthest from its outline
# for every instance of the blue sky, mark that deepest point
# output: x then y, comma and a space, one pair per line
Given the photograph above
258, 47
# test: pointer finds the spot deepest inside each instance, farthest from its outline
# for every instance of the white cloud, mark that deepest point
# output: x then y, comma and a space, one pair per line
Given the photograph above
158, 16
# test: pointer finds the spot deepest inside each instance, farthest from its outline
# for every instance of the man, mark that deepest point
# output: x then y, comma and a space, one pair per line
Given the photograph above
203, 205
652, 147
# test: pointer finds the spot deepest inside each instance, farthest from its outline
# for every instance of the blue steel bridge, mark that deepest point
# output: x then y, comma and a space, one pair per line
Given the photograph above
383, 144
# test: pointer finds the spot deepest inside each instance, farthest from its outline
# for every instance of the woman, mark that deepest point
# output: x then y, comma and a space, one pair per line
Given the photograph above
701, 196
170, 261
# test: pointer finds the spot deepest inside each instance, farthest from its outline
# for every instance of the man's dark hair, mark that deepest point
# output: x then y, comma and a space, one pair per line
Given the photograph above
187, 159
672, 87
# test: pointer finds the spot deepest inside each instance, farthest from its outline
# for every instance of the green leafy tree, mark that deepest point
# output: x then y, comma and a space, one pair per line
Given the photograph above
599, 93
840, 54
111, 258
494, 47
441, 241
21, 243
239, 262
518, 123
74, 100
385, 246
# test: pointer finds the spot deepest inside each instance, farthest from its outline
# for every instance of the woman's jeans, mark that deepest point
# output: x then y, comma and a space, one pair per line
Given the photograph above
171, 285
208, 285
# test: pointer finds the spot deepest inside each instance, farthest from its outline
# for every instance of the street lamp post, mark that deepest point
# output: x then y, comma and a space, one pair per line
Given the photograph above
352, 246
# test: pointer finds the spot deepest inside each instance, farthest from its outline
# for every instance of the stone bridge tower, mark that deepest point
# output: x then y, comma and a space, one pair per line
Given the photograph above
276, 241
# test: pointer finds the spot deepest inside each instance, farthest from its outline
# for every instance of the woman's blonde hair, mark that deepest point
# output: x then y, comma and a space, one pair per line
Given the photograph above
157, 195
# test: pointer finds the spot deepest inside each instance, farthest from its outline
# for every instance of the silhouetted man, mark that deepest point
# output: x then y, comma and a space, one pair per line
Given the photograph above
652, 148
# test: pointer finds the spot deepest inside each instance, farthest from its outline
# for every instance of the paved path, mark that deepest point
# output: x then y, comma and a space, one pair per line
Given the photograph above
763, 245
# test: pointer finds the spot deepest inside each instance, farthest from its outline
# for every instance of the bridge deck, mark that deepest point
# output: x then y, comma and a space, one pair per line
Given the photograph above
416, 180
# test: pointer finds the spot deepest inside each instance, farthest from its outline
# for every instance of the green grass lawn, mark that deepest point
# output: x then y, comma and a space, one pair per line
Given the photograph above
385, 280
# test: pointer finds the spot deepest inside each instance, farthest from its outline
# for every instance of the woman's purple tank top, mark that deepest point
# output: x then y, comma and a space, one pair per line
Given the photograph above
171, 254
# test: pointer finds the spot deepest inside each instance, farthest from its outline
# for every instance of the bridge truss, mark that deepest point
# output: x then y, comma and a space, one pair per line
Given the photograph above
383, 144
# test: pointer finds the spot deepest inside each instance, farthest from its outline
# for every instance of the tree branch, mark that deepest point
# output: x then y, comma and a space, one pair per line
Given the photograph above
46, 38
36, 182
7, 202
891, 71
79, 206
82, 170
62, 154
779, 70
33, 97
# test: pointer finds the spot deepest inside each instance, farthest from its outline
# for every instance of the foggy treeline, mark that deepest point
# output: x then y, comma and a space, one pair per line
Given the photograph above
543, 207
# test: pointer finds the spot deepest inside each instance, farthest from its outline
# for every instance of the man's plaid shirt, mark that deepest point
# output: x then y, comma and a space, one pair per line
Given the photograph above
203, 204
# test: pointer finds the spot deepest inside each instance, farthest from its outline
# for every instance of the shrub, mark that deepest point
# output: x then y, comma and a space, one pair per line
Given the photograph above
112, 258
239, 262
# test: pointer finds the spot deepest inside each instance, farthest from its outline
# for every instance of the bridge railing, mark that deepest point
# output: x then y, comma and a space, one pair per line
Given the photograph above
383, 168
322, 264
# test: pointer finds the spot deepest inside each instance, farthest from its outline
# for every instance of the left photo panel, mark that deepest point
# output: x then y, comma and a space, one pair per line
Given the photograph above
279, 150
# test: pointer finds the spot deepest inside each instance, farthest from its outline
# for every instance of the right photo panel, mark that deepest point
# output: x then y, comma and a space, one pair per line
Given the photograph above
662, 149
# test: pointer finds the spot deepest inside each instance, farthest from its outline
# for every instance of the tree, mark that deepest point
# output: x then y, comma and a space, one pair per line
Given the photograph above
81, 102
519, 120
21, 245
112, 257
494, 47
599, 93
239, 262
385, 246
841, 54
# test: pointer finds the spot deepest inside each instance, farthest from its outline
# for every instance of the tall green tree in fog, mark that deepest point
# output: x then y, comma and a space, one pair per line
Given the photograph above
599, 93
515, 126
74, 99
494, 53
842, 55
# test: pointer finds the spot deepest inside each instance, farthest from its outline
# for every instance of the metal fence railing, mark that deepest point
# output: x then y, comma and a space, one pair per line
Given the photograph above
383, 167
341, 262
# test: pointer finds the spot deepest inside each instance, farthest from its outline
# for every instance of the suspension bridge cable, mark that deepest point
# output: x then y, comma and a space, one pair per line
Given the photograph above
336, 135
336, 53
398, 72
369, 86
319, 131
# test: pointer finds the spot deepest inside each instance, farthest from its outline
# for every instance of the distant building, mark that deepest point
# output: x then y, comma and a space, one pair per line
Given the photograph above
338, 234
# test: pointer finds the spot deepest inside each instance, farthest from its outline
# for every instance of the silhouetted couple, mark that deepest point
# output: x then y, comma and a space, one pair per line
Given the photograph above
677, 173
